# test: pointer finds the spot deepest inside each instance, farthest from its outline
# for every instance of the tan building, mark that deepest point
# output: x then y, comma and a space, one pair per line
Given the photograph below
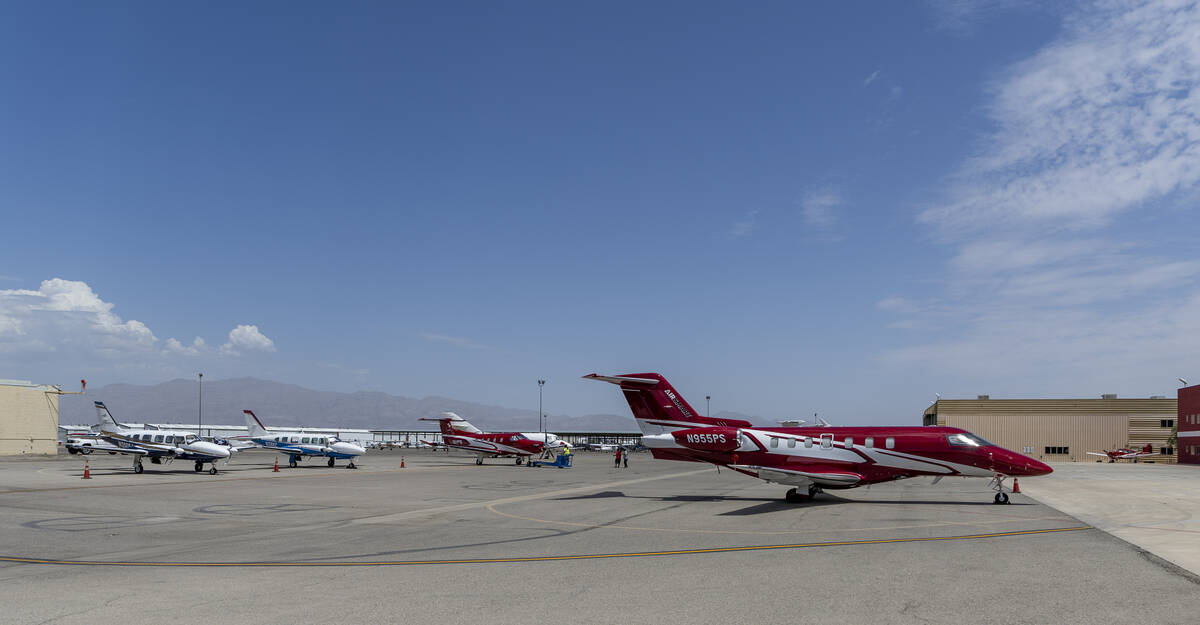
28, 418
1063, 430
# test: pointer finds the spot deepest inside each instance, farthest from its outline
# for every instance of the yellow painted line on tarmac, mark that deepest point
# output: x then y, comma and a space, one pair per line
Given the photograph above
592, 556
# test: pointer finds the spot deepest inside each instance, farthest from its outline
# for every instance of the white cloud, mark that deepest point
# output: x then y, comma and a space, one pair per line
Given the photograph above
746, 226
246, 338
820, 208
872, 78
66, 314
453, 340
198, 346
1094, 129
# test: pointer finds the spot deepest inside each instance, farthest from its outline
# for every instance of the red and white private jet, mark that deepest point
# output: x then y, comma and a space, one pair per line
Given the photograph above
460, 435
1125, 453
812, 458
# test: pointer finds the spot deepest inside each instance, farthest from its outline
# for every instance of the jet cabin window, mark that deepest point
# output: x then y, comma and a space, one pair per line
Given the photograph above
158, 439
966, 440
774, 442
869, 441
304, 440
889, 442
791, 442
849, 441
807, 441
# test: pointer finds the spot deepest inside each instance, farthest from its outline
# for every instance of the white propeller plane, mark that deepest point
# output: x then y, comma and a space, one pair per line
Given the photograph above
156, 444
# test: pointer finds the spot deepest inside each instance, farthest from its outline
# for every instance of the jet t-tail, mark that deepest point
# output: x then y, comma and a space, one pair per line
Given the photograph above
156, 444
816, 457
297, 444
459, 434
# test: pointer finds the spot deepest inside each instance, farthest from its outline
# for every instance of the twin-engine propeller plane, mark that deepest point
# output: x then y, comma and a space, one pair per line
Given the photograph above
458, 434
297, 444
156, 444
812, 458
1125, 453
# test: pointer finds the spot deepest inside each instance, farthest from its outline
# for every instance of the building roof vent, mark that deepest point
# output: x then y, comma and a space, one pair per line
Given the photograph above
1108, 396
984, 397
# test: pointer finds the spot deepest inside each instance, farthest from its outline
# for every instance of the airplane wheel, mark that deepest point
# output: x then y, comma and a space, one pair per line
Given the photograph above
794, 496
478, 460
1001, 498
213, 470
292, 462
330, 462
520, 460
351, 466
137, 468
199, 467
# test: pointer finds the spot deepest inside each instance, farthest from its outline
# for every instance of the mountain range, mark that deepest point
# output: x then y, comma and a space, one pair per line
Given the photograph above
280, 404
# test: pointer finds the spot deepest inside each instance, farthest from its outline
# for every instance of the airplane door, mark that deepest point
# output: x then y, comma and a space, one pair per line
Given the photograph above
826, 441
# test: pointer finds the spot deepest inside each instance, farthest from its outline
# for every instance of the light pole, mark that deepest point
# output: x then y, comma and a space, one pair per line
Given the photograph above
708, 406
200, 408
541, 428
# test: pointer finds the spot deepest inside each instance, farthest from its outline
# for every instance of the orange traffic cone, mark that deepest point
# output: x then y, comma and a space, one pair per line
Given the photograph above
401, 462
277, 464
1016, 485
87, 471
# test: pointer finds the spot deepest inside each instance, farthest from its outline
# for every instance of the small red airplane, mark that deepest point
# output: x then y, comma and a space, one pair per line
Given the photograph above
1125, 453
458, 434
812, 458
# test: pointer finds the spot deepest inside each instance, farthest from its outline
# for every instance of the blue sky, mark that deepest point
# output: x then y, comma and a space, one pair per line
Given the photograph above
794, 207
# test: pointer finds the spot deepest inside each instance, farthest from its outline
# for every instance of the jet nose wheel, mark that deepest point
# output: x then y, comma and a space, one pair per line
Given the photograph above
1001, 498
212, 470
137, 468
479, 460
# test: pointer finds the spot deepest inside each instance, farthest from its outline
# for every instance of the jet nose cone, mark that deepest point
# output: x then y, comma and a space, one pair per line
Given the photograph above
1038, 468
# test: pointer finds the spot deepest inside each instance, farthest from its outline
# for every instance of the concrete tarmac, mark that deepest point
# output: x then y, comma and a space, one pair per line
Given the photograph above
444, 540
1154, 506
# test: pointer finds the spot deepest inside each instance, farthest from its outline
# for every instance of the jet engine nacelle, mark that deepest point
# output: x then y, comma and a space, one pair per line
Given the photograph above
709, 439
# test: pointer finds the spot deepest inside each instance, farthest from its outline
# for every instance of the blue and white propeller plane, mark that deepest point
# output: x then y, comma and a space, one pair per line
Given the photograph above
297, 444
156, 444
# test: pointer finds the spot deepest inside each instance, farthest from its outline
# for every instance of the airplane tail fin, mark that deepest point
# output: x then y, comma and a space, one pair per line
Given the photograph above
657, 407
106, 418
253, 425
454, 424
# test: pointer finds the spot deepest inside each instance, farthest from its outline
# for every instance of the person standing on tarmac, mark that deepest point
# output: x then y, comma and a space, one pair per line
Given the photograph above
625, 458
617, 459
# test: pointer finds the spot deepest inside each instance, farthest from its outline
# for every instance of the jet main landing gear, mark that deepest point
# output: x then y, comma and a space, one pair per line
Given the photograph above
292, 461
137, 465
479, 460
796, 496
199, 466
520, 460
330, 463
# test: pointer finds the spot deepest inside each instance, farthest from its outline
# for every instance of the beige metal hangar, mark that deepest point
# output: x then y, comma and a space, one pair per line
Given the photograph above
1064, 430
28, 418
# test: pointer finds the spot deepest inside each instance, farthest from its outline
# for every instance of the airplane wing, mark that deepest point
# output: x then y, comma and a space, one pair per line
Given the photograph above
478, 446
1096, 453
818, 476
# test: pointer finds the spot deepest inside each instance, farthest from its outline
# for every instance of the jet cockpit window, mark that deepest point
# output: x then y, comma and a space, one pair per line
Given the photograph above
966, 439
189, 438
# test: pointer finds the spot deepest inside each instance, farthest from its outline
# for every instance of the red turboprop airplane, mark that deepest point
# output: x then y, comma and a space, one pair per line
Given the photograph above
1125, 453
458, 434
813, 458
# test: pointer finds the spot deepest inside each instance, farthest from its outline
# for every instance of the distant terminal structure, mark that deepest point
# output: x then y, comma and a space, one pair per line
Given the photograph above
28, 418
1064, 430
1188, 419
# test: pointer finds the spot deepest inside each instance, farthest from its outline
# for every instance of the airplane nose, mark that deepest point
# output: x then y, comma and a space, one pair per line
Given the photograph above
1035, 467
